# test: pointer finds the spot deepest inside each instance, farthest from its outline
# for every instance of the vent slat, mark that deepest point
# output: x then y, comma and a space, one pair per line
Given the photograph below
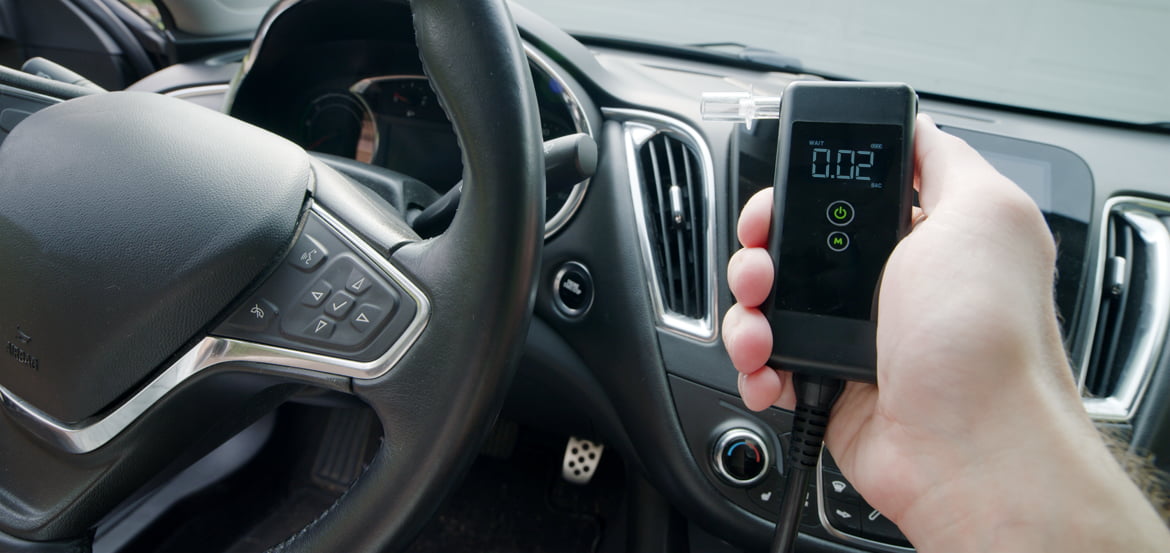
1107, 342
660, 214
697, 223
675, 222
679, 230
1107, 354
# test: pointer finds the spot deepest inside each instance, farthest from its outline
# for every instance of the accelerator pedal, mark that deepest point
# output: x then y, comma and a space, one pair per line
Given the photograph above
581, 460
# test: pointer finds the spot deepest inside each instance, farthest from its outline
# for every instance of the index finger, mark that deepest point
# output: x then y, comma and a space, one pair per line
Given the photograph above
756, 220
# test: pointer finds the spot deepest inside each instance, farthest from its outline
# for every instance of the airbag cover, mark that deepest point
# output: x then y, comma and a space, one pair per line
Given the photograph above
128, 221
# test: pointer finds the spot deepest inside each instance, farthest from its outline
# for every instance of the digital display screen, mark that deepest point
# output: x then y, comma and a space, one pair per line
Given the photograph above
1034, 176
839, 218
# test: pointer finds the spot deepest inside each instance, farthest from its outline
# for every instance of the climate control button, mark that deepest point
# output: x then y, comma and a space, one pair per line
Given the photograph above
741, 457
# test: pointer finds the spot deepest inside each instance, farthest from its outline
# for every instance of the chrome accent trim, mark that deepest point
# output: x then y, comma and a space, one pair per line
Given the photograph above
358, 90
30, 95
843, 536
676, 207
196, 91
717, 456
580, 122
556, 290
214, 350
639, 127
1142, 215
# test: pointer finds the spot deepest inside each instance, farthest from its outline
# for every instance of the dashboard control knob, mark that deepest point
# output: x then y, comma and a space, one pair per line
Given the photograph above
741, 457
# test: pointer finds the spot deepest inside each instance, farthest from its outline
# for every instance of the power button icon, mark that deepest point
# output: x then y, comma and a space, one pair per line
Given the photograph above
840, 213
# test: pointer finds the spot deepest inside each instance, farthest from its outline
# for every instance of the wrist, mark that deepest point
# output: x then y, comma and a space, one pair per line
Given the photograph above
1061, 495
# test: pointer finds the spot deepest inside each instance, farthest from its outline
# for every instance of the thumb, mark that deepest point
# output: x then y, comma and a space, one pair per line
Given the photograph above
948, 169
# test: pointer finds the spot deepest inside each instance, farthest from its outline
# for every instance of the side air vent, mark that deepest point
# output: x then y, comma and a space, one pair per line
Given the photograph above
674, 206
1133, 313
672, 188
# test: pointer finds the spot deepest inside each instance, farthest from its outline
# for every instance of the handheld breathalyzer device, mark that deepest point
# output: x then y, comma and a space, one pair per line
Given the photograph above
843, 196
844, 177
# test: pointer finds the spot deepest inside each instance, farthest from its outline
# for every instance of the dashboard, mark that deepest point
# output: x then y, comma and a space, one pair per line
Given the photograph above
640, 363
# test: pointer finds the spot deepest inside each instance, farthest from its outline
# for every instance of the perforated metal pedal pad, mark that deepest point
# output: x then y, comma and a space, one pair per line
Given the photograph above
581, 460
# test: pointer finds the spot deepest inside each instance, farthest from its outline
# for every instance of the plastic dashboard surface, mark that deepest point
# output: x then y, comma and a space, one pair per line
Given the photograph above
654, 380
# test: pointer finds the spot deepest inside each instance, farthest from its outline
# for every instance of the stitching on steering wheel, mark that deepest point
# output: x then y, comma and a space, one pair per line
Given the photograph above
278, 548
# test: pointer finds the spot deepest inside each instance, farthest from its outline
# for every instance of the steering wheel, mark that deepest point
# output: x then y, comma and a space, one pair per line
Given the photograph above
170, 274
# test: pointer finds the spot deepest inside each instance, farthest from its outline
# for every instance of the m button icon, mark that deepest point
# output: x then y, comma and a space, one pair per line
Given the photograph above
838, 241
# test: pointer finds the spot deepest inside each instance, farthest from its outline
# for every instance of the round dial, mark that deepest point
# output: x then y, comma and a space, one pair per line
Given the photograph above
333, 124
741, 457
401, 97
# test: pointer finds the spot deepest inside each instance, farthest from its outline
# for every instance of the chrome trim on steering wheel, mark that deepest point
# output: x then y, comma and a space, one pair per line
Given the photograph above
214, 350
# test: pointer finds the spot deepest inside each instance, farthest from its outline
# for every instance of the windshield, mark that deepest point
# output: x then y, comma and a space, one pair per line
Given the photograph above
1105, 59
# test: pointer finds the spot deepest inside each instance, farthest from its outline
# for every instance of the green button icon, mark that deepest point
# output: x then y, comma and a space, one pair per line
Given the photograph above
838, 241
840, 213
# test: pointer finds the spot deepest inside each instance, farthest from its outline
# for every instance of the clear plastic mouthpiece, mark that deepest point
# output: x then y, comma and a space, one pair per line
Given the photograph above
743, 107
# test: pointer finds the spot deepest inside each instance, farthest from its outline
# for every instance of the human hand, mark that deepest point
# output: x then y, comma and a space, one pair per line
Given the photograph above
974, 436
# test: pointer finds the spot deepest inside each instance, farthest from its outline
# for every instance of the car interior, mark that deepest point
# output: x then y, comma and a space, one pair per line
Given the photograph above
377, 275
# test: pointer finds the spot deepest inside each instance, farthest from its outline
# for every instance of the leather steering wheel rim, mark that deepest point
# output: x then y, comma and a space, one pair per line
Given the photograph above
472, 53
439, 400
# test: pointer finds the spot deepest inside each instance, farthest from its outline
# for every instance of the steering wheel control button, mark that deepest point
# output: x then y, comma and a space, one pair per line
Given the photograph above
316, 295
843, 515
840, 213
366, 317
337, 302
740, 457
358, 282
837, 241
573, 289
254, 316
307, 254
320, 329
339, 305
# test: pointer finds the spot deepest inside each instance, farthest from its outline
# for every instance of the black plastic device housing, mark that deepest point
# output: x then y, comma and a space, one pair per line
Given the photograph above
823, 306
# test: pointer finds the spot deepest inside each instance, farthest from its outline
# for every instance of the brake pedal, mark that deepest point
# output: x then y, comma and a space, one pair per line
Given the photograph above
581, 460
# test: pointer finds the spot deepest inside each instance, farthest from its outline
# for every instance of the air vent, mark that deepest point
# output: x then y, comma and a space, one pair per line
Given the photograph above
672, 189
1134, 308
676, 221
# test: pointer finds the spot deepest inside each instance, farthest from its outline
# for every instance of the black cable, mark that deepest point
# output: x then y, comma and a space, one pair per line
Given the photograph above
815, 396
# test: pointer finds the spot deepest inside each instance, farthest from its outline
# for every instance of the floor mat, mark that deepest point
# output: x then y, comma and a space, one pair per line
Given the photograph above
521, 504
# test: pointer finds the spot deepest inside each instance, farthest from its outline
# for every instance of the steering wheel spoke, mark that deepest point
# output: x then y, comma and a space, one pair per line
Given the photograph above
334, 305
